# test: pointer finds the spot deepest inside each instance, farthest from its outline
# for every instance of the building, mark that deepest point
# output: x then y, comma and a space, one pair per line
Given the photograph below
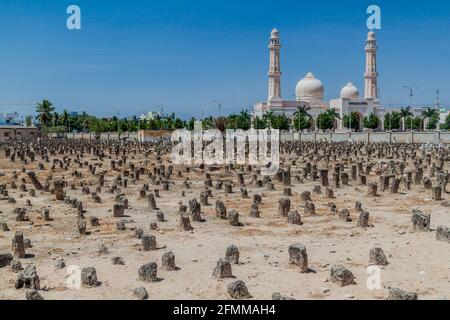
18, 132
443, 114
310, 91
150, 116
9, 119
152, 135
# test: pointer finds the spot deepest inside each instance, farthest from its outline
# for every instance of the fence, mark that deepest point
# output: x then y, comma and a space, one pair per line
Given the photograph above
103, 136
434, 137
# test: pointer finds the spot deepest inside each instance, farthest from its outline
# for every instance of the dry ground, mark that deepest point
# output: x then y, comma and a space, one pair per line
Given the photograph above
417, 262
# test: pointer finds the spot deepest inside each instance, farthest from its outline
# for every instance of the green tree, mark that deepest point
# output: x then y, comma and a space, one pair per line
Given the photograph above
414, 123
432, 115
280, 122
405, 112
244, 120
446, 124
392, 120
28, 121
302, 122
371, 122
190, 124
208, 123
433, 122
352, 120
55, 119
302, 118
259, 123
269, 118
44, 110
65, 118
325, 121
179, 124
334, 115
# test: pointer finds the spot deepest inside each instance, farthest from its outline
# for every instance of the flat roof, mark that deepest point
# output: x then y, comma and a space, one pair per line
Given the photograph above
16, 127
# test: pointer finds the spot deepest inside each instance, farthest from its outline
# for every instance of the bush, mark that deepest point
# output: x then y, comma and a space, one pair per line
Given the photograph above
302, 122
325, 121
392, 120
371, 122
56, 129
351, 119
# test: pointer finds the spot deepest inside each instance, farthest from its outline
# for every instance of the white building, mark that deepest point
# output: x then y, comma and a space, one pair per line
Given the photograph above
150, 116
9, 118
310, 90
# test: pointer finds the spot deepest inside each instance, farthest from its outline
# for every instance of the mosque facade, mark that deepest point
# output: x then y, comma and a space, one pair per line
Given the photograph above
309, 91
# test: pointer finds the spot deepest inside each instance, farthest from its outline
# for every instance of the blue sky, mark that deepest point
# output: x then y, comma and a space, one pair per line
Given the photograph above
133, 56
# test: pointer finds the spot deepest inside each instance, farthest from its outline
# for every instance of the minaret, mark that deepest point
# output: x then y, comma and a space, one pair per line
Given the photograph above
371, 74
274, 67
438, 102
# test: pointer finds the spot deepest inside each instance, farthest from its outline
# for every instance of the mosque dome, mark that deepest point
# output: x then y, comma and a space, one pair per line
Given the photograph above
309, 89
274, 33
349, 92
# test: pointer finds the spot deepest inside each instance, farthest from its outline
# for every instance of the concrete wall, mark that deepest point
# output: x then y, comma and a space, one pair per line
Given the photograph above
7, 133
407, 137
103, 135
435, 137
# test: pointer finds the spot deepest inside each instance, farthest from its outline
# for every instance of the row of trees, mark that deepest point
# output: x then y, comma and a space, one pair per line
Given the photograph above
54, 122
403, 119
400, 120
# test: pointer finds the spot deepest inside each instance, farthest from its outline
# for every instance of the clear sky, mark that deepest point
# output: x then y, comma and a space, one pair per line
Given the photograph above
133, 56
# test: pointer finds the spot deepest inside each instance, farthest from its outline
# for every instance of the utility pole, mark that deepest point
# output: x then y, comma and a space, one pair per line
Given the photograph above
350, 120
389, 99
219, 104
411, 93
438, 103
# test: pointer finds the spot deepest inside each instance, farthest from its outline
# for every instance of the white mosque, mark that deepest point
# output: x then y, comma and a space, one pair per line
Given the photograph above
310, 90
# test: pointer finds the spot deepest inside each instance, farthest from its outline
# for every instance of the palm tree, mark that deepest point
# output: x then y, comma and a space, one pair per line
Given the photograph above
44, 110
84, 121
405, 112
55, 119
302, 111
334, 114
244, 120
65, 118
429, 113
268, 118
220, 123
244, 114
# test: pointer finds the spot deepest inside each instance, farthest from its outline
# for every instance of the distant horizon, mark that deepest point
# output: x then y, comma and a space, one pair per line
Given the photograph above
133, 58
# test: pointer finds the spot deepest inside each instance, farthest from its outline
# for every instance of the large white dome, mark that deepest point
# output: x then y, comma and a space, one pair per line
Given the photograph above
309, 89
349, 92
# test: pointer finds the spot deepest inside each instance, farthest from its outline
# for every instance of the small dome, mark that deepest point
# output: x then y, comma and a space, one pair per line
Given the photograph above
371, 35
274, 33
349, 91
309, 89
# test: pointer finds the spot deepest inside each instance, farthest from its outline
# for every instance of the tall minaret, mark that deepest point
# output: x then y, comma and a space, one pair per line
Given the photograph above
371, 74
438, 102
274, 67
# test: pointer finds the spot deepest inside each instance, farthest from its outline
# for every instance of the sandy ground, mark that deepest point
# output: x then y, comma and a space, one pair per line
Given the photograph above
417, 262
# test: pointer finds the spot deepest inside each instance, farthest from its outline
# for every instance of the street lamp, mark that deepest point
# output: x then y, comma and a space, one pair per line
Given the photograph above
411, 95
411, 92
219, 104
